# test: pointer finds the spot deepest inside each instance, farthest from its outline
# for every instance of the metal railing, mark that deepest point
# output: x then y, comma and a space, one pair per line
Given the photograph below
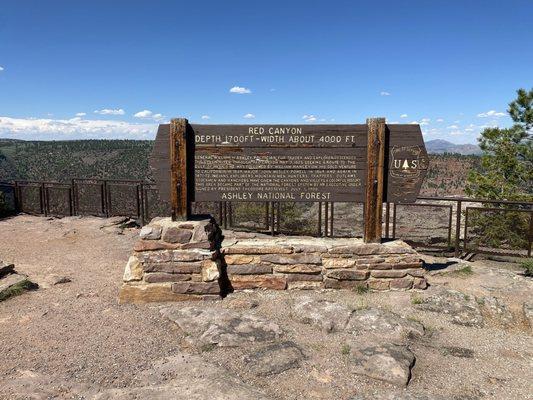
416, 223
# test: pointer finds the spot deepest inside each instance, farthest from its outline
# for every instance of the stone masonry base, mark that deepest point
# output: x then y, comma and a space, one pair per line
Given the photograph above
195, 260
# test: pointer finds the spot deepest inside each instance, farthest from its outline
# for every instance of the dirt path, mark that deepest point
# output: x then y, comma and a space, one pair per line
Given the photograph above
77, 333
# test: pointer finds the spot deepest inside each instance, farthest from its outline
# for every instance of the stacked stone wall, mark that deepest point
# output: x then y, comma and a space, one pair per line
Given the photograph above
321, 263
195, 260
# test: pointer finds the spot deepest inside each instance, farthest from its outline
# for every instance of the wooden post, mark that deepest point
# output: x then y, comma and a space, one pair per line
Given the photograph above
179, 197
374, 180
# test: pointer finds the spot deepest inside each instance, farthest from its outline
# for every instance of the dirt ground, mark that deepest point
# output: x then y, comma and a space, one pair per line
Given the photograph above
77, 332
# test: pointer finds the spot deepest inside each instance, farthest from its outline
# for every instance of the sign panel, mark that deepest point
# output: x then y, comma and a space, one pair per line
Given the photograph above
292, 162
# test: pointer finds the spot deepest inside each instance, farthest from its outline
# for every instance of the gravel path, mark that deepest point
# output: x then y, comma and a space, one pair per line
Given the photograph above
76, 332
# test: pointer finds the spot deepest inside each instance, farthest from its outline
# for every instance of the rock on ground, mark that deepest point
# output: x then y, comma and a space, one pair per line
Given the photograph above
222, 327
185, 377
402, 396
495, 309
180, 377
462, 308
384, 324
335, 317
386, 362
328, 315
13, 284
274, 358
6, 269
527, 309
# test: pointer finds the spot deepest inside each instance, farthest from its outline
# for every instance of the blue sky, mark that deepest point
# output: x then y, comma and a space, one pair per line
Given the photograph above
114, 69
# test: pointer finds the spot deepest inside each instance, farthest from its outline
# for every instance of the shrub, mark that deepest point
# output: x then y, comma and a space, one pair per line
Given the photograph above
528, 267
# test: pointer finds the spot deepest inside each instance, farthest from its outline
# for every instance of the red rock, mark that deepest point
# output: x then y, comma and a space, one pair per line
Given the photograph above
196, 287
402, 283
347, 274
258, 282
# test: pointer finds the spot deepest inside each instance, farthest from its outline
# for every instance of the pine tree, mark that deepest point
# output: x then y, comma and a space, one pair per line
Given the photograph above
505, 173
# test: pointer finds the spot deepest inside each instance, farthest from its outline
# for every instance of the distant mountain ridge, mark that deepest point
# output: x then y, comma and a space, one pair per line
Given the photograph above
440, 146
436, 146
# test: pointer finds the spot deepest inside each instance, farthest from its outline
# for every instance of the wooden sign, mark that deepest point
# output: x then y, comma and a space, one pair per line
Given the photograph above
285, 162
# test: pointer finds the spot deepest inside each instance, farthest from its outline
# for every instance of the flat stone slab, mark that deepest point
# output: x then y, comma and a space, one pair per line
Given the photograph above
274, 358
384, 324
331, 316
462, 308
402, 396
386, 362
222, 327
13, 284
6, 269
327, 315
180, 377
186, 377
496, 310
296, 244
527, 309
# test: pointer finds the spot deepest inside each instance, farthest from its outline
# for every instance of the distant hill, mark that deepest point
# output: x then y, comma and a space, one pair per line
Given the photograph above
439, 146
62, 160
128, 159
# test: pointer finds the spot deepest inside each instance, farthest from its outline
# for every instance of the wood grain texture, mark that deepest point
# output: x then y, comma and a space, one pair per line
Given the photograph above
179, 183
404, 180
272, 136
160, 163
403, 143
374, 180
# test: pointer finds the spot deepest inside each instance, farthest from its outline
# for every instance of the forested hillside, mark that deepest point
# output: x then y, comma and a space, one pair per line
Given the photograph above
63, 160
128, 159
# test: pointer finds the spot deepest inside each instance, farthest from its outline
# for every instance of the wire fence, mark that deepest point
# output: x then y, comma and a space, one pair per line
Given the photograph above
441, 223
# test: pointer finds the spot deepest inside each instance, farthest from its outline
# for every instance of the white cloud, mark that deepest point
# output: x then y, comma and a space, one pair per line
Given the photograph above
384, 93
248, 116
456, 133
452, 127
403, 116
240, 90
110, 111
1, 68
440, 120
143, 114
206, 117
309, 118
73, 128
424, 121
81, 114
414, 122
491, 113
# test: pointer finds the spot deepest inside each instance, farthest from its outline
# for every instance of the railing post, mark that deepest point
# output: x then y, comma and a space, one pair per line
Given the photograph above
272, 227
530, 234
394, 221
16, 196
74, 197
458, 228
278, 215
387, 217
42, 199
319, 227
374, 180
331, 221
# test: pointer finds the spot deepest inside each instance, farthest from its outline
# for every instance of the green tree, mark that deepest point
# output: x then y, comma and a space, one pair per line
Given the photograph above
506, 170
505, 173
